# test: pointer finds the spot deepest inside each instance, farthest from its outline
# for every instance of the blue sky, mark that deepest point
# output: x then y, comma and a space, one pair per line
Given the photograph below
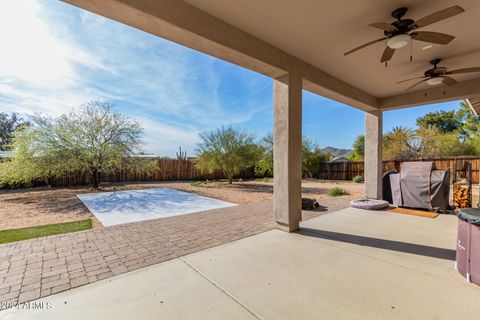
56, 57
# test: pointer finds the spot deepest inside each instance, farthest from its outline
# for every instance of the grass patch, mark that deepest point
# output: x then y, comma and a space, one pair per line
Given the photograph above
197, 183
337, 191
43, 231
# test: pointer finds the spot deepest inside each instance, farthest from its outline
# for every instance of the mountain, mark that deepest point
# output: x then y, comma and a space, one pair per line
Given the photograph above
337, 152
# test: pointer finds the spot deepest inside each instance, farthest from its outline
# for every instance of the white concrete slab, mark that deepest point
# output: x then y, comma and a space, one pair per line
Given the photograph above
170, 290
423, 244
302, 276
352, 264
118, 207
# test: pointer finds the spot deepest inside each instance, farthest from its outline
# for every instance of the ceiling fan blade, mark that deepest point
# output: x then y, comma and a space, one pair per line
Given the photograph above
449, 81
387, 54
438, 16
423, 77
464, 70
415, 84
432, 37
364, 45
384, 26
439, 70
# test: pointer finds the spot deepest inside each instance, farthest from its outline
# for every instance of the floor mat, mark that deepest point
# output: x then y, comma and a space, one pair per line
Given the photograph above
422, 213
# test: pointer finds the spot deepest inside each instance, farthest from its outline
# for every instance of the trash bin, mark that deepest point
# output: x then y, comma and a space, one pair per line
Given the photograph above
468, 244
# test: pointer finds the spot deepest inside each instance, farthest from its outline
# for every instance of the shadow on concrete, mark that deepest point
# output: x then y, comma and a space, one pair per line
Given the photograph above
399, 246
320, 208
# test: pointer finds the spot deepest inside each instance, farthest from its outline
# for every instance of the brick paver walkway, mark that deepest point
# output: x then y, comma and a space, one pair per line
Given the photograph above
40, 267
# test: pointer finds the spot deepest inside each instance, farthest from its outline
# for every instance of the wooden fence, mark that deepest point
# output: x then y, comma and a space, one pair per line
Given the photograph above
165, 170
173, 169
348, 170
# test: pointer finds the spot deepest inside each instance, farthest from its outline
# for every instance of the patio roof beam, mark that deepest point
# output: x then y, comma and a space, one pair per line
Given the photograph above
187, 25
461, 90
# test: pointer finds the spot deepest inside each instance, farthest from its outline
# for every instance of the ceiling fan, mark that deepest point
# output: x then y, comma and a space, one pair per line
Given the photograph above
438, 75
400, 32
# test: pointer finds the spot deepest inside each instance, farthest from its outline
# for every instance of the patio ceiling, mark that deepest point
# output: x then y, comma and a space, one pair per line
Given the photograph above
276, 37
319, 32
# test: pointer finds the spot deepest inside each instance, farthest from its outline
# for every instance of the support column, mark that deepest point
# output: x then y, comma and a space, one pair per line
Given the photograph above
373, 154
287, 139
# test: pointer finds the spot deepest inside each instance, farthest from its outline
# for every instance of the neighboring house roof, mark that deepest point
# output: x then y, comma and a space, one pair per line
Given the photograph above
145, 156
340, 159
474, 104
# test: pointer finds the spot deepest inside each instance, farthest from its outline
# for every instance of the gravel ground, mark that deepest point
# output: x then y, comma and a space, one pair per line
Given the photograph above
40, 206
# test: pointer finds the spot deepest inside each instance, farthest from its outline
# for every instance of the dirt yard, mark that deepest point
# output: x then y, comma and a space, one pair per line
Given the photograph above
40, 206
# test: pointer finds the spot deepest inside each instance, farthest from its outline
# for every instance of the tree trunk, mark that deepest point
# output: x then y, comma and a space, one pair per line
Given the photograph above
95, 179
230, 180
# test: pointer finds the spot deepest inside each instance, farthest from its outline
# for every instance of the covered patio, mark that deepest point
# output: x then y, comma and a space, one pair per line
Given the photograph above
351, 264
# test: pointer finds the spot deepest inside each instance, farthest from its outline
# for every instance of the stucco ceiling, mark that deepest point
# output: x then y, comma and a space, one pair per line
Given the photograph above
319, 32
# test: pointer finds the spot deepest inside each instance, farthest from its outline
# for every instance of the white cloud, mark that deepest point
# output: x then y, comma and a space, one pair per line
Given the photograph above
31, 51
164, 139
55, 57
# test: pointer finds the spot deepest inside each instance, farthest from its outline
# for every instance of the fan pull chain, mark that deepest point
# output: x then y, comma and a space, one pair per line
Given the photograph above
411, 50
386, 64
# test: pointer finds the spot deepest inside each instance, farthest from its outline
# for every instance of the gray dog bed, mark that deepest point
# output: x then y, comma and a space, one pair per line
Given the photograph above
369, 204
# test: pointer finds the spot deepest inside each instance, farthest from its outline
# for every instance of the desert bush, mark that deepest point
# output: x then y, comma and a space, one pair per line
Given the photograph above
358, 179
312, 158
264, 165
228, 150
337, 191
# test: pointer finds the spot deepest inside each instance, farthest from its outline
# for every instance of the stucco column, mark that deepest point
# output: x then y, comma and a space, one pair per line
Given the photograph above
373, 154
287, 138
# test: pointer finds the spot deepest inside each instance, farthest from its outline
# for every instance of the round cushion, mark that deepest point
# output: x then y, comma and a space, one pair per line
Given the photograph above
369, 204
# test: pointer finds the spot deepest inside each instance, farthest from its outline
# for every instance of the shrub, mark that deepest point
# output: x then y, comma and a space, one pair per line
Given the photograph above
264, 165
337, 191
312, 158
228, 150
358, 179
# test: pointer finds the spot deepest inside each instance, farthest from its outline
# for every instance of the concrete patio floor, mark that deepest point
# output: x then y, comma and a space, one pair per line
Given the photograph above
37, 268
352, 264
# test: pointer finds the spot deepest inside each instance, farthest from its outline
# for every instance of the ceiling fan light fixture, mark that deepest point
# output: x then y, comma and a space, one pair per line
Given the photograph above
434, 81
399, 41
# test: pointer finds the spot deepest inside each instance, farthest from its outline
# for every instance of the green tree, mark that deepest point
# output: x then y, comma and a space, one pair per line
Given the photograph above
93, 139
312, 157
400, 143
434, 143
358, 148
445, 121
228, 150
264, 165
470, 121
9, 122
441, 133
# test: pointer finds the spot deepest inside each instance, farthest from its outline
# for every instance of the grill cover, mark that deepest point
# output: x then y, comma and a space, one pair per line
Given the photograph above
419, 186
415, 184
386, 190
396, 191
